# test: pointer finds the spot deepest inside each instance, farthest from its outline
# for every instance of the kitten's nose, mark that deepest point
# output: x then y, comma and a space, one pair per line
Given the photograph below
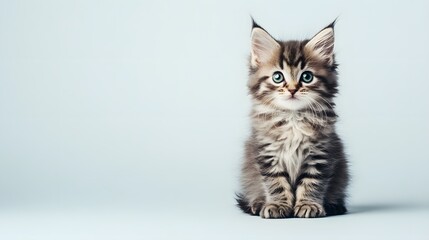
292, 91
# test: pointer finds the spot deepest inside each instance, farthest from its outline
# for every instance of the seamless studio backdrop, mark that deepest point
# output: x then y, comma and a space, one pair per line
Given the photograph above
126, 119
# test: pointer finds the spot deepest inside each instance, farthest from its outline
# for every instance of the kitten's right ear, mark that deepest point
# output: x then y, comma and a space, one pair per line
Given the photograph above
322, 44
263, 46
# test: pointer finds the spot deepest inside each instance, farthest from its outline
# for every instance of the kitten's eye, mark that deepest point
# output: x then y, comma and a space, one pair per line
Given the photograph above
306, 77
278, 77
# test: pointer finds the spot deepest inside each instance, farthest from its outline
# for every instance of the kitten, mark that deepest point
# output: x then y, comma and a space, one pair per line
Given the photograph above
294, 164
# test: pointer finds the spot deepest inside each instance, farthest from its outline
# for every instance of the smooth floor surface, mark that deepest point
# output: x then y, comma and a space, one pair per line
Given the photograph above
362, 222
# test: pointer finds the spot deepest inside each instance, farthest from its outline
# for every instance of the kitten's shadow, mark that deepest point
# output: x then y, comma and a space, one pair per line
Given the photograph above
369, 208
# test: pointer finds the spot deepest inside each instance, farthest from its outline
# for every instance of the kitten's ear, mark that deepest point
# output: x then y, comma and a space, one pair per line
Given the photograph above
263, 46
322, 44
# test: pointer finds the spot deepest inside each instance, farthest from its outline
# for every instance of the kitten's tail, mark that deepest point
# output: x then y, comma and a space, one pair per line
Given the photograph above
243, 203
335, 209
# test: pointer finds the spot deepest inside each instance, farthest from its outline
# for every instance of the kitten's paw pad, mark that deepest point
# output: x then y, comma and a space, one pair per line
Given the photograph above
309, 210
274, 210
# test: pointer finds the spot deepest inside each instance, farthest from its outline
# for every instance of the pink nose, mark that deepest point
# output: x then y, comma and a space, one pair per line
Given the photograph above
292, 91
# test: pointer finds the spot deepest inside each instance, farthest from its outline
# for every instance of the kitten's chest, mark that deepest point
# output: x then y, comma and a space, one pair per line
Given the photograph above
293, 144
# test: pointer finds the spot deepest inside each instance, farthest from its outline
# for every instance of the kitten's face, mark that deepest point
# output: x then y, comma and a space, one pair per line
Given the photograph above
293, 75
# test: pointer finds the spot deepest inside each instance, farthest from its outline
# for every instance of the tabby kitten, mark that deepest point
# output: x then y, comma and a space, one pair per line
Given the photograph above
294, 163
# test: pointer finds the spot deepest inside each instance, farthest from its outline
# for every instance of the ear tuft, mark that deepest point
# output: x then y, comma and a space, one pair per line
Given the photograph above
254, 24
322, 44
263, 46
332, 25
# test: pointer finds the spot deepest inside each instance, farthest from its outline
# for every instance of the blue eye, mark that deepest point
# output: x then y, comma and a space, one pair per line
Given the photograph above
278, 77
306, 77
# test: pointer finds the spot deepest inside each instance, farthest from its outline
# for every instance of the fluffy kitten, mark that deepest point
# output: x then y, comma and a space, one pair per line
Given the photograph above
294, 163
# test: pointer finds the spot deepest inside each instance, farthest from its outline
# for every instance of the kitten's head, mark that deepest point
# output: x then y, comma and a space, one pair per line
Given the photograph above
293, 75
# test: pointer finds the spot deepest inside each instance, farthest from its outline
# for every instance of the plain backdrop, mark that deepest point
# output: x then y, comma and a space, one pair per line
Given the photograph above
126, 119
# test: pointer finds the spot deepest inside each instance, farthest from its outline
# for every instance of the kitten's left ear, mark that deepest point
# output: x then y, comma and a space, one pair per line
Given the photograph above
263, 48
322, 44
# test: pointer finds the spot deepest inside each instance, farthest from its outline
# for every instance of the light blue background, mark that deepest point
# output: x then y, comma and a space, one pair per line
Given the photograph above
143, 105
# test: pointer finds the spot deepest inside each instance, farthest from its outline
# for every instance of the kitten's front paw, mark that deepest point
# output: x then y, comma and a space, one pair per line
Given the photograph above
309, 210
275, 210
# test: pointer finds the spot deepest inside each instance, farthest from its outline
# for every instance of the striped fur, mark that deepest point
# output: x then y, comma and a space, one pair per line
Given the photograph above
294, 163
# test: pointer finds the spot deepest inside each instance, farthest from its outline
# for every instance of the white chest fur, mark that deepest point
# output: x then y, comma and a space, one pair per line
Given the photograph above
295, 138
290, 144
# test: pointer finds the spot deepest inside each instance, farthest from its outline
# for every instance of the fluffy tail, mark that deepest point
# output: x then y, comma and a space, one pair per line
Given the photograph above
243, 203
335, 209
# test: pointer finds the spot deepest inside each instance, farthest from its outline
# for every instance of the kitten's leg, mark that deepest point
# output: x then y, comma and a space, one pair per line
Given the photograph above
311, 189
279, 202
